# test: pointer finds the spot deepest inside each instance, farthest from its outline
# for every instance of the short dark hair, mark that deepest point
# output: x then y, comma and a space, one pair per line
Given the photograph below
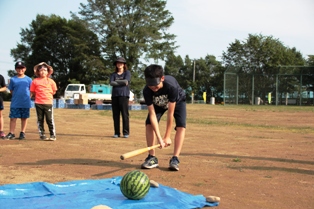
154, 71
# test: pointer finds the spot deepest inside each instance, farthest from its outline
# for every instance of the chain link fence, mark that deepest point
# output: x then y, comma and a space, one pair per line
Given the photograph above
285, 85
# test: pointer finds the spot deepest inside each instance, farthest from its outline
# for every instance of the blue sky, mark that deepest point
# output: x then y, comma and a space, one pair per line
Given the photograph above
203, 27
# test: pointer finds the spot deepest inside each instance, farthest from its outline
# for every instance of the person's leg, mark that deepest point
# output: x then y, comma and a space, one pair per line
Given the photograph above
24, 116
150, 138
12, 125
2, 135
1, 118
116, 115
48, 110
151, 161
25, 112
14, 114
180, 118
178, 141
40, 119
124, 102
23, 124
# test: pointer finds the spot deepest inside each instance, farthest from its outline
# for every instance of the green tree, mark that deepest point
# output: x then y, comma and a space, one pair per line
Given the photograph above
133, 29
206, 75
67, 45
261, 56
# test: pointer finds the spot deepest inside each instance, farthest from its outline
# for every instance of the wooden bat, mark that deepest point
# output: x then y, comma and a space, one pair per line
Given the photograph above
138, 152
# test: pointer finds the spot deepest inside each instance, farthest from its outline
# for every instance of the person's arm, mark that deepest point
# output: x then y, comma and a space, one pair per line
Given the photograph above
113, 83
119, 83
154, 123
170, 112
3, 89
122, 82
54, 87
32, 94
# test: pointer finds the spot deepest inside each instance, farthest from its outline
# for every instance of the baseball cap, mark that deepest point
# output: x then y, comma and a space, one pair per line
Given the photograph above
152, 81
19, 64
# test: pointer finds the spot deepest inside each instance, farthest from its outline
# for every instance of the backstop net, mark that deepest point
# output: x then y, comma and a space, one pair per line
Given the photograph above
291, 85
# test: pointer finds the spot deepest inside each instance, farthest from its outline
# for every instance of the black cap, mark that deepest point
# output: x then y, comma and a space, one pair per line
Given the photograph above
19, 64
152, 81
119, 59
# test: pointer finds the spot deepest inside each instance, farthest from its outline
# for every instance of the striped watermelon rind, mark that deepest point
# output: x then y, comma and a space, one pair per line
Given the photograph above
135, 185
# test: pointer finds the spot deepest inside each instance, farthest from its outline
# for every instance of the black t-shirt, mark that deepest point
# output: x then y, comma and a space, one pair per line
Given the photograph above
2, 84
170, 92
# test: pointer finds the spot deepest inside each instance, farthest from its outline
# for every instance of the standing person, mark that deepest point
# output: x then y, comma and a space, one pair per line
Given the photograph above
21, 102
3, 88
120, 80
43, 88
162, 93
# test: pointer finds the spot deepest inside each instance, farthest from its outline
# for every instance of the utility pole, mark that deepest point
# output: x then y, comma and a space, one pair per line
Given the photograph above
193, 82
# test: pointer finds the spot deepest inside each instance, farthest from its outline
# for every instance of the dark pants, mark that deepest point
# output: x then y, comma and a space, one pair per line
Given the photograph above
120, 105
45, 110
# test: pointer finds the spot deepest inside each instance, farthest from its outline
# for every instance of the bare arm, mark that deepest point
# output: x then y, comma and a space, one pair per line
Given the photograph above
171, 107
154, 123
3, 89
32, 94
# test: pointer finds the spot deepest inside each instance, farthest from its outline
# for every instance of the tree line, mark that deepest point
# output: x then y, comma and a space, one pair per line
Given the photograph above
83, 48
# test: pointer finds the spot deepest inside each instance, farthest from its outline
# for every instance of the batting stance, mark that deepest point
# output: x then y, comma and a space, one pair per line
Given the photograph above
162, 93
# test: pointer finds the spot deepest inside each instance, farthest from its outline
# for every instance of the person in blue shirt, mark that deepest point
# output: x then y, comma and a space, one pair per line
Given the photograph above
120, 82
19, 87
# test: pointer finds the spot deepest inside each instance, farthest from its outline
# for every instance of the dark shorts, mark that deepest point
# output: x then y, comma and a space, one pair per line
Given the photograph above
179, 114
19, 113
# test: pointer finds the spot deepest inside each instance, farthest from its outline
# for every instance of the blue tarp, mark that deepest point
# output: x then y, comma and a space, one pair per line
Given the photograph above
85, 194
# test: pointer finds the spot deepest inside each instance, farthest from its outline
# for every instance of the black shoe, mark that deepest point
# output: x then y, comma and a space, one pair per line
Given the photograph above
22, 136
43, 137
10, 136
150, 162
174, 163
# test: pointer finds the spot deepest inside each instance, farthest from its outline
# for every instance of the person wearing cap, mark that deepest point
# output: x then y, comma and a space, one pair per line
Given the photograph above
19, 86
3, 88
163, 93
43, 88
120, 82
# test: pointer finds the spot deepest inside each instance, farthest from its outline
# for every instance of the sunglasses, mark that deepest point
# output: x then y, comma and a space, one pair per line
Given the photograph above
42, 67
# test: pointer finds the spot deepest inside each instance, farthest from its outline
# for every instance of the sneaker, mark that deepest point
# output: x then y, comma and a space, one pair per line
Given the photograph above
52, 138
116, 136
126, 136
10, 136
2, 135
150, 162
42, 137
174, 163
22, 136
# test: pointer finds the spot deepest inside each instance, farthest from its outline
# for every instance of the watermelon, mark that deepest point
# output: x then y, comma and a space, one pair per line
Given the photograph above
135, 185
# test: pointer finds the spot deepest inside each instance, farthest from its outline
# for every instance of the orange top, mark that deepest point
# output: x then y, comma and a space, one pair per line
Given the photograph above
44, 89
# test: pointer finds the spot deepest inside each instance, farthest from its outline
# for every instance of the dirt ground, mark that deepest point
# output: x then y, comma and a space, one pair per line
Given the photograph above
249, 156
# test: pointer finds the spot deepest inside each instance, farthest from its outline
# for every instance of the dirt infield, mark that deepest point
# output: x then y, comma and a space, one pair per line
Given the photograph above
249, 156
